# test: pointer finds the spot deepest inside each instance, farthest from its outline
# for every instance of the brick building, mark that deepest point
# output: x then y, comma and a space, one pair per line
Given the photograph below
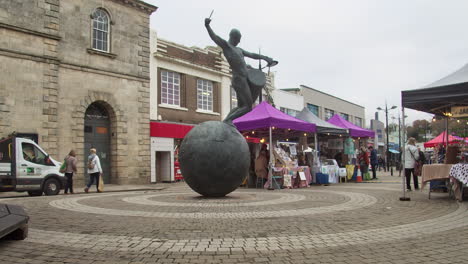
188, 86
74, 74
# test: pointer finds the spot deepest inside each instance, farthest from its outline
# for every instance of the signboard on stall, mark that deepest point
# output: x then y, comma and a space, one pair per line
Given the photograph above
459, 111
335, 143
292, 150
349, 147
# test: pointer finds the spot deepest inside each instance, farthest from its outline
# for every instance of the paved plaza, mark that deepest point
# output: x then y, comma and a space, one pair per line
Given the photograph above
340, 223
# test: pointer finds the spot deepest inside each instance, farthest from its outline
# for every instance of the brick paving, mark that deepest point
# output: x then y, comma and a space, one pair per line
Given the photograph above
340, 223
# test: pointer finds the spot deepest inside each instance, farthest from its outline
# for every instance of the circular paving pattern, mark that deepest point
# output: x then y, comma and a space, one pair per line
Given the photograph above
215, 202
176, 223
356, 201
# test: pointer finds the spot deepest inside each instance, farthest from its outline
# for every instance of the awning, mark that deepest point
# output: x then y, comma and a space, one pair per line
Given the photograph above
323, 126
169, 130
438, 97
354, 131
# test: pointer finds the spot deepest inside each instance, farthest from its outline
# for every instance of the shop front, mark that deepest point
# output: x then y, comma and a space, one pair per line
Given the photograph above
165, 142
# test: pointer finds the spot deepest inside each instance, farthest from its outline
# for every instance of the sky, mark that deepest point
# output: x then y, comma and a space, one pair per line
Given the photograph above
363, 51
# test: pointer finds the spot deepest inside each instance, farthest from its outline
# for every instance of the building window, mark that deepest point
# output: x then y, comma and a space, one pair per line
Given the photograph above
344, 116
170, 88
358, 121
101, 30
204, 95
288, 111
233, 98
313, 108
329, 113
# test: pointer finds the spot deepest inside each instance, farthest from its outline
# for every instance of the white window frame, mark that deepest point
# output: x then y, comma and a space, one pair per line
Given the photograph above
100, 23
170, 88
204, 95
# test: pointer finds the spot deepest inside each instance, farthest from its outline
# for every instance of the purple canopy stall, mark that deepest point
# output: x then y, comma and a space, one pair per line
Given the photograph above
354, 131
264, 118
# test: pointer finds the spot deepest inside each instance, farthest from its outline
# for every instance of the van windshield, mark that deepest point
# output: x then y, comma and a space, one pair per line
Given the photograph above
32, 154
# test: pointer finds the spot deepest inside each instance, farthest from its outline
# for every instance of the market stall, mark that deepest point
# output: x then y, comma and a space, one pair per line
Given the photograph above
442, 140
447, 97
334, 137
357, 133
267, 122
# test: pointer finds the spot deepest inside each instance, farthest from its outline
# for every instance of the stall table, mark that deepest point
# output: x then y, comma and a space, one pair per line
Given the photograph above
435, 172
294, 181
459, 179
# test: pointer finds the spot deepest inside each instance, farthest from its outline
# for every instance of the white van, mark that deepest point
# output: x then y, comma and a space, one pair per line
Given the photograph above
25, 166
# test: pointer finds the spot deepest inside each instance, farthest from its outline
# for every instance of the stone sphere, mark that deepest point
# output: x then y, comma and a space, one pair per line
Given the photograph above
214, 158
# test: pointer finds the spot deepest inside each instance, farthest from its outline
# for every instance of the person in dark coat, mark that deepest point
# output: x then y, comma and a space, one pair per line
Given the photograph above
373, 161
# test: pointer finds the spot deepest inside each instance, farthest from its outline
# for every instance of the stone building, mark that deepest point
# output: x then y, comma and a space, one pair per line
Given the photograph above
74, 74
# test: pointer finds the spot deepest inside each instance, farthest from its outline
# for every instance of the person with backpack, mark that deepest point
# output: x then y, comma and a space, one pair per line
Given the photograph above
70, 168
411, 162
94, 170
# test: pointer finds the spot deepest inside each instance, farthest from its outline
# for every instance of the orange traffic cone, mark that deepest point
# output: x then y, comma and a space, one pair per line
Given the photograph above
359, 175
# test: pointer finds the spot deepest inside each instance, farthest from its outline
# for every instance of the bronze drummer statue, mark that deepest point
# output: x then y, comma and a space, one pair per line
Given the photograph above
246, 81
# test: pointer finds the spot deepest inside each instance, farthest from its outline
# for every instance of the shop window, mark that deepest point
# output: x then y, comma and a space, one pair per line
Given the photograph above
329, 113
204, 95
32, 154
344, 116
313, 108
101, 30
170, 88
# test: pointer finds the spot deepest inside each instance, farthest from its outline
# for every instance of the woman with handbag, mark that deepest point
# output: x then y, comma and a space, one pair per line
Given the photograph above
94, 170
411, 162
70, 168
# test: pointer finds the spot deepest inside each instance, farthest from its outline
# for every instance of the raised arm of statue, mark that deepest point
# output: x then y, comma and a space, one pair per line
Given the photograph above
217, 39
257, 56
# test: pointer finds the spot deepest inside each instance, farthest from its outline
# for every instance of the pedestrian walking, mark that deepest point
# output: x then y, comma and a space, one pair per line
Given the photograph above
363, 160
94, 170
411, 158
71, 162
373, 161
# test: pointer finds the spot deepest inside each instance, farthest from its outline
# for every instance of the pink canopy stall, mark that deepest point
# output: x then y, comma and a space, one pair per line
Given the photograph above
354, 131
441, 139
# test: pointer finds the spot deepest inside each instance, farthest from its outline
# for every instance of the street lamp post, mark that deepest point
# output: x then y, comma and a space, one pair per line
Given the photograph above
386, 131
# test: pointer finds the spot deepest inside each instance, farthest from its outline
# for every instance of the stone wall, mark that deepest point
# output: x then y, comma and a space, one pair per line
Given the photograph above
50, 76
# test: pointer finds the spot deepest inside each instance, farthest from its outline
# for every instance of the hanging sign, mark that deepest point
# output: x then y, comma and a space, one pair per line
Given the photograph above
335, 143
459, 111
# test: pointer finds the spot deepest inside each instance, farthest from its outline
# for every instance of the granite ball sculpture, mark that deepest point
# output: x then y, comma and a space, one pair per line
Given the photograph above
214, 158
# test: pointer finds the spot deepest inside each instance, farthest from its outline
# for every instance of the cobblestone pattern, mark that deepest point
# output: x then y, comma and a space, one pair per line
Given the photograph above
357, 200
385, 231
145, 200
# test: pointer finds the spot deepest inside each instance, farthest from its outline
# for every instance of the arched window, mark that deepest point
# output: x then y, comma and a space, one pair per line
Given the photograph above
101, 30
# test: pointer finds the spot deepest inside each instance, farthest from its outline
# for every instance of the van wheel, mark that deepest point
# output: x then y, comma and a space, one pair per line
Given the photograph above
35, 193
51, 187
